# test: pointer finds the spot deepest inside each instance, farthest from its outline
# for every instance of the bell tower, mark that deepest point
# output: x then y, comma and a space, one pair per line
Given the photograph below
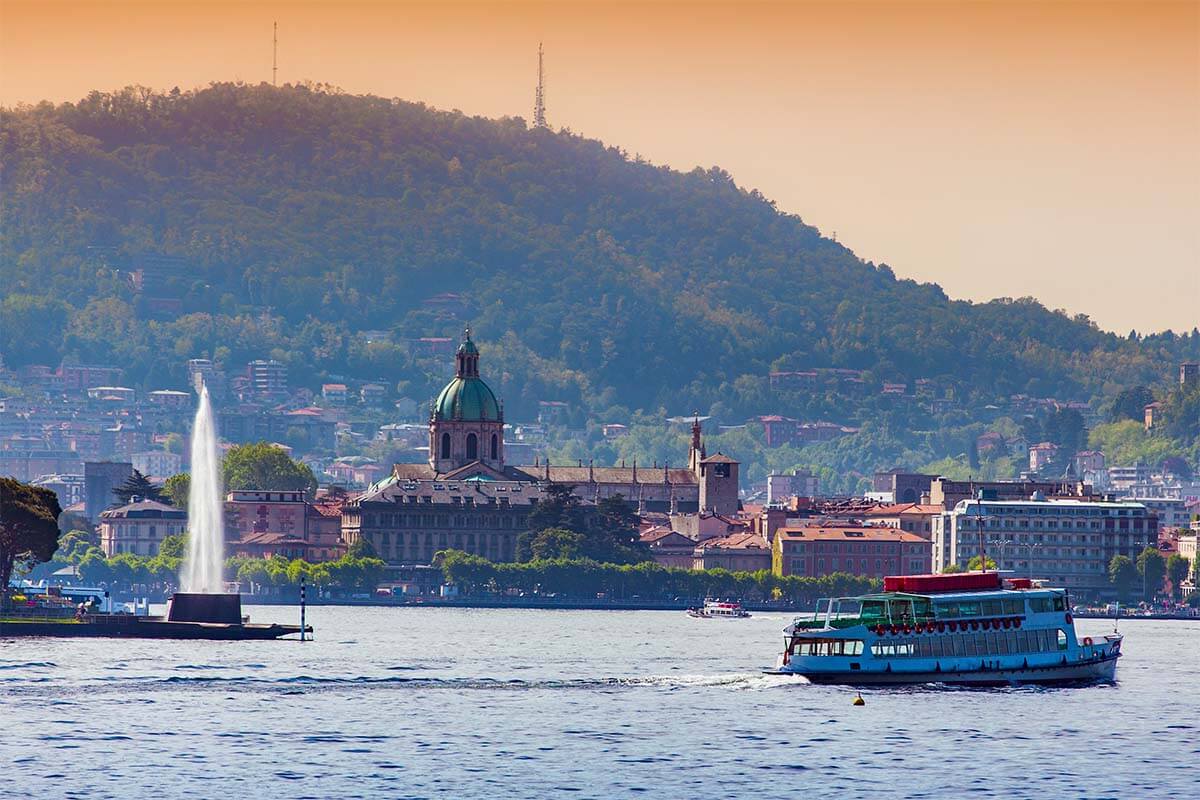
696, 451
718, 479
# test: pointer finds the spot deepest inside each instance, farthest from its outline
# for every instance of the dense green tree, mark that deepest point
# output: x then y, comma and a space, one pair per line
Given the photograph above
173, 546
1130, 404
175, 489
1064, 427
587, 578
361, 548
1177, 571
28, 528
137, 485
72, 546
1152, 568
559, 507
264, 466
95, 569
556, 543
973, 564
1123, 575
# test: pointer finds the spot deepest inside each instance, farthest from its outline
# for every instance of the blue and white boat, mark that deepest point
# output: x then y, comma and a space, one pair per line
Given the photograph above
971, 628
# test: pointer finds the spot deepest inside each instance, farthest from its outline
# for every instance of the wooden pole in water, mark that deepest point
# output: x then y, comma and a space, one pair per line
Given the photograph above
302, 592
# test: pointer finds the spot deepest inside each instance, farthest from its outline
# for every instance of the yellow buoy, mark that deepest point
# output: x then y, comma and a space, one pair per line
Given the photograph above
858, 701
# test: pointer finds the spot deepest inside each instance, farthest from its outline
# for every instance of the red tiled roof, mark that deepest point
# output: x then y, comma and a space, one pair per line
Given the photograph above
736, 541
268, 538
902, 508
859, 534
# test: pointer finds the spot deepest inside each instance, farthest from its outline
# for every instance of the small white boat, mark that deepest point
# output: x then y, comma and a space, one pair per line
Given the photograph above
714, 609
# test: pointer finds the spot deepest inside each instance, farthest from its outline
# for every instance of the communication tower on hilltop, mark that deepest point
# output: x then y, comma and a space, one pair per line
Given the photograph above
274, 53
539, 100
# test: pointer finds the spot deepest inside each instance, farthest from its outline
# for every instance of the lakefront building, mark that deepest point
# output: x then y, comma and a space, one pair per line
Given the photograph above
817, 550
468, 497
139, 527
1065, 541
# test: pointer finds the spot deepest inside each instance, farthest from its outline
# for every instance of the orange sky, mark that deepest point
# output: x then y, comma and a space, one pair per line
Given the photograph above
1000, 149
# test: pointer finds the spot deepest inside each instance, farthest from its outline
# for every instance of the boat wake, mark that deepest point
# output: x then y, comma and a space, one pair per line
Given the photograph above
735, 681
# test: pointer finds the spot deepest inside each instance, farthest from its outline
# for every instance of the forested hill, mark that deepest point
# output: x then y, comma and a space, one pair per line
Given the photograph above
300, 217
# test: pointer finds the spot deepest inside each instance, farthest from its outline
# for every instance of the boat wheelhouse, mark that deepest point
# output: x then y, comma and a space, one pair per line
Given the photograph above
969, 628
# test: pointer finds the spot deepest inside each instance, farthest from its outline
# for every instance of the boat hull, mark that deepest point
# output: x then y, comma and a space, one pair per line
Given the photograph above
1100, 671
135, 628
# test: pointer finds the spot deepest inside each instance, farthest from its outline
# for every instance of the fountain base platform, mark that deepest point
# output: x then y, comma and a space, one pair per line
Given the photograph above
203, 607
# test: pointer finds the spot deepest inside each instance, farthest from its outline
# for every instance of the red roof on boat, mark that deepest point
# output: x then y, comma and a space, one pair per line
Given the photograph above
956, 582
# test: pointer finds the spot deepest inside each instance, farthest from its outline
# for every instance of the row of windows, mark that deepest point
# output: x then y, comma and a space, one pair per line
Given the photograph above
991, 643
827, 647
1056, 511
422, 546
861, 566
381, 520
972, 523
144, 531
850, 547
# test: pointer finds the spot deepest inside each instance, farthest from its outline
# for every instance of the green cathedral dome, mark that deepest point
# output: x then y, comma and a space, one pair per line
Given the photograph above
467, 398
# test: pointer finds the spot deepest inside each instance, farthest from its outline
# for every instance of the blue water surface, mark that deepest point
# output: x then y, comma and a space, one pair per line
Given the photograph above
423, 703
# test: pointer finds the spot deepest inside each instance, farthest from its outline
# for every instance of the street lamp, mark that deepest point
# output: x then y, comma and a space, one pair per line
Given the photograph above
979, 520
1030, 547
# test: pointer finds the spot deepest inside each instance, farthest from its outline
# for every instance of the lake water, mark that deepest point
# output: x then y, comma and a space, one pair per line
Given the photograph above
511, 703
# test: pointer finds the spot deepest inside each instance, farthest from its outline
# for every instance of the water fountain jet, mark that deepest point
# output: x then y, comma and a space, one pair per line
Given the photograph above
204, 560
204, 598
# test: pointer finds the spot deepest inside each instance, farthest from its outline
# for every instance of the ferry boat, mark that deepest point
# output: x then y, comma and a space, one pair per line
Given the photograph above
969, 628
714, 609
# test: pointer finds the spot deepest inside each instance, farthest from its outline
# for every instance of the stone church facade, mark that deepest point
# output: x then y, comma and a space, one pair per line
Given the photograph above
467, 497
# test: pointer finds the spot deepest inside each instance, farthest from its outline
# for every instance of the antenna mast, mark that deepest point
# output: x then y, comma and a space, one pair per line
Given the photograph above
539, 101
274, 53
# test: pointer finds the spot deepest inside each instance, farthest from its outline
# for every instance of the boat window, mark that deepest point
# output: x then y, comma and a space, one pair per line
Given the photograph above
1014, 605
1039, 605
1062, 640
901, 609
1060, 603
874, 609
828, 647
922, 607
968, 609
947, 610
993, 608
849, 607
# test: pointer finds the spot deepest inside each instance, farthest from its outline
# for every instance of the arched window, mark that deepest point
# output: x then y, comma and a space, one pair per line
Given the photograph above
472, 447
445, 445
495, 447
